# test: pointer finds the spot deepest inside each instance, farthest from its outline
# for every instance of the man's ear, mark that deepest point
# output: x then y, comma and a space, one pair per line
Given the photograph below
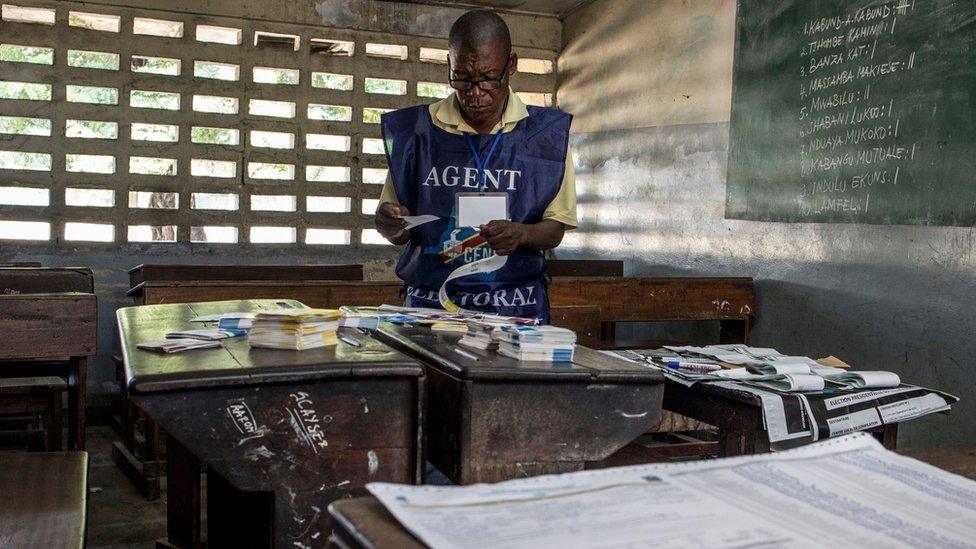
512, 63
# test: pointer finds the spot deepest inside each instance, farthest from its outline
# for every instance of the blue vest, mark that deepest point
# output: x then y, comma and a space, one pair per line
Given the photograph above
429, 166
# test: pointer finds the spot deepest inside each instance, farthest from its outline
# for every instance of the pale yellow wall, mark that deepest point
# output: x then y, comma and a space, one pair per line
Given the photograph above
639, 63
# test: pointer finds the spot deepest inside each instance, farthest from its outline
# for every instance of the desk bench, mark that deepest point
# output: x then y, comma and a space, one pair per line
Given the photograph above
55, 331
44, 501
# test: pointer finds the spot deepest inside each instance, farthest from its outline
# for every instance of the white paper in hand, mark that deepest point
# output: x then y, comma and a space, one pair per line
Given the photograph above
475, 210
416, 220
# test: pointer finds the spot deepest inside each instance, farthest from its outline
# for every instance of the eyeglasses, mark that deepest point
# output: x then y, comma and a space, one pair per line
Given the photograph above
483, 85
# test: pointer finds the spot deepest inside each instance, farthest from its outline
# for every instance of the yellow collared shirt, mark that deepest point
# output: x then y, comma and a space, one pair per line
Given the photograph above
446, 115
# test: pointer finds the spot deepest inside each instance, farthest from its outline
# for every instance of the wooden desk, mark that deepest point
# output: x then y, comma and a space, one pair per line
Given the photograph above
254, 416
180, 273
730, 301
590, 304
46, 280
314, 293
498, 418
738, 416
585, 267
40, 329
363, 523
45, 498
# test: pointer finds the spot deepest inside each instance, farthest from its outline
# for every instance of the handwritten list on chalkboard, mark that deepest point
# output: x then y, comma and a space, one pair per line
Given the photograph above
854, 111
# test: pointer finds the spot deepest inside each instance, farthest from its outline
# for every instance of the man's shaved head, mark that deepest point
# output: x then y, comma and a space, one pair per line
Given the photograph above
479, 29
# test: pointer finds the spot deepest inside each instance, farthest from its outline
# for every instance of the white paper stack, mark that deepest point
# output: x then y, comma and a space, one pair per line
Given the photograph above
297, 329
207, 334
542, 343
359, 319
170, 346
864, 379
479, 336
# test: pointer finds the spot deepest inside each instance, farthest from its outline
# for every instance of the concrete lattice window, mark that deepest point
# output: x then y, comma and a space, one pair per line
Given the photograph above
130, 126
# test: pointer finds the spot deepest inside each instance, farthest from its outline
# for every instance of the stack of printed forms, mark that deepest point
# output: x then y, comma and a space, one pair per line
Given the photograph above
297, 329
790, 373
541, 343
480, 335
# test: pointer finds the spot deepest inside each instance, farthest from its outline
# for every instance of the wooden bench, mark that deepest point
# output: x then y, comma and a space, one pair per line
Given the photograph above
38, 397
45, 499
151, 284
47, 332
730, 301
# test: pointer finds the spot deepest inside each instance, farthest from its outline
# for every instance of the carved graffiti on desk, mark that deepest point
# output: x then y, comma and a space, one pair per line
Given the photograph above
306, 421
243, 419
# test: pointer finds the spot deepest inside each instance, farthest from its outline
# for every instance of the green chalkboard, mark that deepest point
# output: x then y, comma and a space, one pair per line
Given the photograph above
857, 111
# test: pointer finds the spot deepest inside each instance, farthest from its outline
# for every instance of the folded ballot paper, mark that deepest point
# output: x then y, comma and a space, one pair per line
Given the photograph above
170, 346
864, 380
297, 329
541, 343
479, 336
795, 379
207, 334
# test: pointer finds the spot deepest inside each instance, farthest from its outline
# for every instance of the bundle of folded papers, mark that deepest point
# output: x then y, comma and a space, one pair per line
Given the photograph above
803, 377
543, 343
208, 334
170, 346
353, 317
479, 336
297, 329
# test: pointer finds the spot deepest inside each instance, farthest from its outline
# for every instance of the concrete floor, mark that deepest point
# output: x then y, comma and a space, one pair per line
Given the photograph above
118, 517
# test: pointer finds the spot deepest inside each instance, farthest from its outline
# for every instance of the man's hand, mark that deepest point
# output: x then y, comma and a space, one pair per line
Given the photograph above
389, 225
504, 236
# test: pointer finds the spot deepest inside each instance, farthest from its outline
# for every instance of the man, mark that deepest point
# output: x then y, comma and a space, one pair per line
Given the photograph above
481, 138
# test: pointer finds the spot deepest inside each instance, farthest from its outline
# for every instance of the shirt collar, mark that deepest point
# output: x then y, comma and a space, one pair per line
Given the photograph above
448, 112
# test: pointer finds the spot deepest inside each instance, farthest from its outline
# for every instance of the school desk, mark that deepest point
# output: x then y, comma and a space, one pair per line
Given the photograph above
49, 318
283, 433
497, 418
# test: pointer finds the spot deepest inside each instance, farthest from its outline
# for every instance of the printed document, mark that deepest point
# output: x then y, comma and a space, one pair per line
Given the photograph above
844, 492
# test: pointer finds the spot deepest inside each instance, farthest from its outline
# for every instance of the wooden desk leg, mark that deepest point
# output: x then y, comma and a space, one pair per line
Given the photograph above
77, 382
53, 422
182, 498
732, 443
888, 436
733, 331
236, 518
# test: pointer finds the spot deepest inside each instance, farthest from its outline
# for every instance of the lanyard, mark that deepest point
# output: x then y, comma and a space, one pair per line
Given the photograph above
477, 159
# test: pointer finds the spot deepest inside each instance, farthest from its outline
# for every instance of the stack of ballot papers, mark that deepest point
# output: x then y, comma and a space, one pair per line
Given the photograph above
359, 317
297, 329
444, 326
479, 335
208, 334
235, 320
768, 368
170, 346
542, 343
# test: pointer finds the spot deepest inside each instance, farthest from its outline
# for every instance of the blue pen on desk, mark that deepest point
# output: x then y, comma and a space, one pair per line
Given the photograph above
351, 341
692, 366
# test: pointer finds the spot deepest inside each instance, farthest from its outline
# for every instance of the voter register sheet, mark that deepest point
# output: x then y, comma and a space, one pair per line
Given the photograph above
845, 492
